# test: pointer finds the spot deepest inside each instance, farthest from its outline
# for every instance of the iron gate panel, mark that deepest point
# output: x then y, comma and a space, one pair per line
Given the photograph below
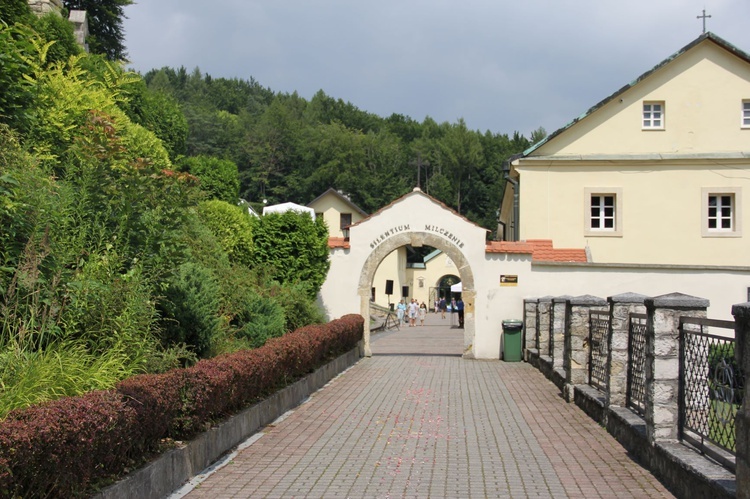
598, 349
711, 387
635, 396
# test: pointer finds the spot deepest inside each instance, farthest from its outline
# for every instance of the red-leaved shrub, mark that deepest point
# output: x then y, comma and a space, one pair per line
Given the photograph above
62, 448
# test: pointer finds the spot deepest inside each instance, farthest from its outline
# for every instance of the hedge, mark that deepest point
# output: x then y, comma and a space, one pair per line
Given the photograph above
69, 446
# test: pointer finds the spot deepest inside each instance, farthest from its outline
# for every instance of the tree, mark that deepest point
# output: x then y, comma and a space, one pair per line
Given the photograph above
105, 17
218, 177
538, 135
292, 247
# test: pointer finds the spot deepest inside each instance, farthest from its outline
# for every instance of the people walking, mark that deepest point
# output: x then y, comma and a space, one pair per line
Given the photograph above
401, 312
413, 312
442, 306
422, 313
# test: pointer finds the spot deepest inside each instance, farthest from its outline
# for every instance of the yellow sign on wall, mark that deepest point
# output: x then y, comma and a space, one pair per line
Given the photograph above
508, 280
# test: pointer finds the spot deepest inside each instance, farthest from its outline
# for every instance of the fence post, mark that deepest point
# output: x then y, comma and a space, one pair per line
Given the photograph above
741, 315
557, 331
620, 308
543, 325
529, 326
663, 360
576, 350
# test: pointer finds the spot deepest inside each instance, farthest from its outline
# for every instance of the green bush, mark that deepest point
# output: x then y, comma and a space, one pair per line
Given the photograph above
232, 228
219, 178
292, 247
259, 320
191, 308
56, 29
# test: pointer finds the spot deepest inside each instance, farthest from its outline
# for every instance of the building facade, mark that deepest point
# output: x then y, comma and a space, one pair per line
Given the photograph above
656, 173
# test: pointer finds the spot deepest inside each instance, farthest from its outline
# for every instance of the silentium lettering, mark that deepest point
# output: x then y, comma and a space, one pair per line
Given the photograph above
445, 233
385, 235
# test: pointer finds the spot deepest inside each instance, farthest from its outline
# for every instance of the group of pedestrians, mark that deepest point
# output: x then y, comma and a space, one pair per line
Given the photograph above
456, 307
411, 311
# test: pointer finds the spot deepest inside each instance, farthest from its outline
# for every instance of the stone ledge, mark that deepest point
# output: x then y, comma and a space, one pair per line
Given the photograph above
591, 401
171, 470
681, 468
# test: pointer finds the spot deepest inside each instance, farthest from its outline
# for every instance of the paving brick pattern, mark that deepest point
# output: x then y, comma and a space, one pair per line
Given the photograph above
417, 420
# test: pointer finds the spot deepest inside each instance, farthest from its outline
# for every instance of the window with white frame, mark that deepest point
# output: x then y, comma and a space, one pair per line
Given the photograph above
603, 211
746, 113
721, 212
653, 115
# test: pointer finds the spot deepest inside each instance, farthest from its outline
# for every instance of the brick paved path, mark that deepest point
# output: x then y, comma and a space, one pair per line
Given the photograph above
417, 420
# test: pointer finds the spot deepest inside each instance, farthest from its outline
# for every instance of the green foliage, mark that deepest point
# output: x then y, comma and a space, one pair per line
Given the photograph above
54, 28
159, 113
17, 42
291, 247
232, 228
191, 308
106, 35
259, 320
218, 177
299, 304
15, 11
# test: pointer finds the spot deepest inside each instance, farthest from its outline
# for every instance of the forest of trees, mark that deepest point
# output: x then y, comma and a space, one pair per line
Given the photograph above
287, 148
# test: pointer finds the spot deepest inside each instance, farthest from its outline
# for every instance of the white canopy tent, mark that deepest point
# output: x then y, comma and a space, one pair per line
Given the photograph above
283, 207
457, 288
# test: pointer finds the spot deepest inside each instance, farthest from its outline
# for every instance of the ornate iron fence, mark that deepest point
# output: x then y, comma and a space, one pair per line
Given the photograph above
711, 387
598, 349
635, 395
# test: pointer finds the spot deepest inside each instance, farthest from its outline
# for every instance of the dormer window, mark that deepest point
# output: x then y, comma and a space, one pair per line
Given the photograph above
653, 115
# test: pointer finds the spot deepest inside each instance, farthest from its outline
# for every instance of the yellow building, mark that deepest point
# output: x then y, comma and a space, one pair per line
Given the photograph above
654, 173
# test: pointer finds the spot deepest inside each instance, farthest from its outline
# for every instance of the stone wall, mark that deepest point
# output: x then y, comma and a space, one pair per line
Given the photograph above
652, 439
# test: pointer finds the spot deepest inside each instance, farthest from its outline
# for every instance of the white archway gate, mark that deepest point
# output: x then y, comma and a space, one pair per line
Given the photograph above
416, 219
418, 239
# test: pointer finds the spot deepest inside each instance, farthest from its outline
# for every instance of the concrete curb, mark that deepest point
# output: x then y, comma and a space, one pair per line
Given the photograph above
171, 470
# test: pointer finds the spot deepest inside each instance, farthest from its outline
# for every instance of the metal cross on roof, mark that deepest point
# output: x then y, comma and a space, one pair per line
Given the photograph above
704, 16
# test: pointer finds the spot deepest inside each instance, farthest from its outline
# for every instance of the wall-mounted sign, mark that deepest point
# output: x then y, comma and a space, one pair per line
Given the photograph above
508, 280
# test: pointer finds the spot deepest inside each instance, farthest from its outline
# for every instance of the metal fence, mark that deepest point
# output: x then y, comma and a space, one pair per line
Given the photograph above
598, 349
711, 387
635, 395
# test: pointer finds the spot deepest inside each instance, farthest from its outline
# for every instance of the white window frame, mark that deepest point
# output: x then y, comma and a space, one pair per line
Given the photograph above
589, 193
745, 114
735, 217
652, 118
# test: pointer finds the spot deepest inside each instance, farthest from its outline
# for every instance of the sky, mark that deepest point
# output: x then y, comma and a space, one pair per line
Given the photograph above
498, 65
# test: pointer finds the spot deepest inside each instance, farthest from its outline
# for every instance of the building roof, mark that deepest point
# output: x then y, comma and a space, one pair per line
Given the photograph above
343, 198
708, 36
338, 242
284, 207
418, 192
541, 250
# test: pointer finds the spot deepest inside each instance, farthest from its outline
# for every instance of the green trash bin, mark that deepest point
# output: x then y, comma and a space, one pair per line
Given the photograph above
512, 340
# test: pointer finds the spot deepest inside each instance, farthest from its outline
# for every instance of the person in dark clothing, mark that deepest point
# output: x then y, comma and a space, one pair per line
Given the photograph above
460, 309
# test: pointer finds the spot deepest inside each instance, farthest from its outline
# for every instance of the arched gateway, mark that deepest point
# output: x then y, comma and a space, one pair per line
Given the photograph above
417, 219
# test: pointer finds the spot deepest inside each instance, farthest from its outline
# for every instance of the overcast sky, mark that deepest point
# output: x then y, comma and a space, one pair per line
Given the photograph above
501, 66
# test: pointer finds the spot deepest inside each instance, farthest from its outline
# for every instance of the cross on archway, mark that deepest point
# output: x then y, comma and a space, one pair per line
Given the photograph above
704, 17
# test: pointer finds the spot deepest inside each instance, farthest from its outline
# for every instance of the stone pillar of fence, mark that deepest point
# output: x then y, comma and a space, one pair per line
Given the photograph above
557, 330
663, 360
742, 421
543, 324
576, 350
620, 308
531, 337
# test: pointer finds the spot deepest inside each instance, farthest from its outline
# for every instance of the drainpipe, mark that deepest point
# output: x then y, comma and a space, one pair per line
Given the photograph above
516, 195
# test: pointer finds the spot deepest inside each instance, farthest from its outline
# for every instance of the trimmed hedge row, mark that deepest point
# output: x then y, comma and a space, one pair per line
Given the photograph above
65, 447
